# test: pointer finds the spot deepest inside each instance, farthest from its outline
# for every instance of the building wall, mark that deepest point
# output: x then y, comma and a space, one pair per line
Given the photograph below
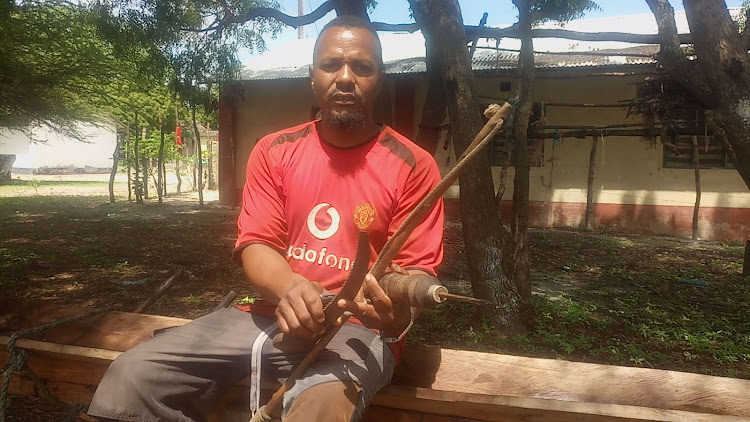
632, 191
48, 149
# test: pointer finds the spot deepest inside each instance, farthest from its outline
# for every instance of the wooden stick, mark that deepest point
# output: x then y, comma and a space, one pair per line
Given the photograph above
397, 240
158, 293
226, 301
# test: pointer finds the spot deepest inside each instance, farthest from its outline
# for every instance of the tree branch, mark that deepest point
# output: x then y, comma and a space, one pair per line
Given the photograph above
745, 31
395, 27
664, 14
267, 12
513, 32
670, 56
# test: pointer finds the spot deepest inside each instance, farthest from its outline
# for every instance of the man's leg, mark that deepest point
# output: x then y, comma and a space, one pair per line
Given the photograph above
330, 401
179, 374
347, 375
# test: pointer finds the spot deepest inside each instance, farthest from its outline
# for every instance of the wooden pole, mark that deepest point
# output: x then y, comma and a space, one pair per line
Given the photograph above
696, 167
746, 262
300, 12
588, 225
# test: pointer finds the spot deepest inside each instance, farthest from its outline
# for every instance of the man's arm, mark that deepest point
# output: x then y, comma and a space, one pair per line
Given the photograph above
299, 310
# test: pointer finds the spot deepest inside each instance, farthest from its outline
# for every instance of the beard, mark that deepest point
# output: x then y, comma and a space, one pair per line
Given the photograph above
345, 120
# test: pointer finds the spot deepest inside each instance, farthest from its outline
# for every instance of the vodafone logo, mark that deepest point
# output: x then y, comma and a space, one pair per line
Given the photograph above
315, 227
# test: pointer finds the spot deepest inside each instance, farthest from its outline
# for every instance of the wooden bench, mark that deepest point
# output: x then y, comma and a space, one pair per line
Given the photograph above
430, 384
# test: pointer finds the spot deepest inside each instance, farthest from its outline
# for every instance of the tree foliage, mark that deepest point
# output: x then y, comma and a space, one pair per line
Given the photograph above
55, 68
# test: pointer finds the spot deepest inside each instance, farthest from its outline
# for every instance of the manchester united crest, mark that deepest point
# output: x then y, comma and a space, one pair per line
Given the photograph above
364, 215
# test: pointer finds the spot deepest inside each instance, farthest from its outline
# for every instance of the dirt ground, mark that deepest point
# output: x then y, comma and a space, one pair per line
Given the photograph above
598, 296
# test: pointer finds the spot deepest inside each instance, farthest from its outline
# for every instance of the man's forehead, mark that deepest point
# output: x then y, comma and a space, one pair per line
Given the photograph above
347, 38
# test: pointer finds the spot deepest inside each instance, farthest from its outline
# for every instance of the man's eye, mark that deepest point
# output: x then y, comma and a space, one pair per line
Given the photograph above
363, 69
330, 66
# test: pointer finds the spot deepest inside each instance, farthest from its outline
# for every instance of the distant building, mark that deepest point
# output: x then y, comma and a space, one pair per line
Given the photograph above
640, 186
41, 150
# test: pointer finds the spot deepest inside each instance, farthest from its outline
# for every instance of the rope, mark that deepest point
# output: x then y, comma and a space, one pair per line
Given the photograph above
17, 360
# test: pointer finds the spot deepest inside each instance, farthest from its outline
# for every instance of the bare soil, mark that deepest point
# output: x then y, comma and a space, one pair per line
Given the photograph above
598, 297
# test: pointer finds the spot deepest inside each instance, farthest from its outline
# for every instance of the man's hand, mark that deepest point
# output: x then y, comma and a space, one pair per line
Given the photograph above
376, 310
300, 310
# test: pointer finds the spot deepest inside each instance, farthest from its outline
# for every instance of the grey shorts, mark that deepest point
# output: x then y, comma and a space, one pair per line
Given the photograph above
180, 374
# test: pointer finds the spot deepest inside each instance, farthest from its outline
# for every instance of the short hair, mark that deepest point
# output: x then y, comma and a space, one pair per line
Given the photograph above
352, 21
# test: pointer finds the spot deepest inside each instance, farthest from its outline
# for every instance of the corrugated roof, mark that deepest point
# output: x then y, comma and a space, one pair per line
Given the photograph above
486, 60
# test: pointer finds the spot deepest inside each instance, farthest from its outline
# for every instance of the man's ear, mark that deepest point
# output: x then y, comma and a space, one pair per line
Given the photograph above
381, 80
312, 81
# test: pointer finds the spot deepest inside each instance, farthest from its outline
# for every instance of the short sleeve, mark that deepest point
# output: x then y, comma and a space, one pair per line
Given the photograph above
424, 247
261, 218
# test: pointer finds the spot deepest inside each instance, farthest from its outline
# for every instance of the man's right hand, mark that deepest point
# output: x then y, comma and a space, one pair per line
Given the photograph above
300, 310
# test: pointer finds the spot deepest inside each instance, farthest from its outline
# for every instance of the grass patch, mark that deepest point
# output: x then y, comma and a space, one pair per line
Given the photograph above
613, 299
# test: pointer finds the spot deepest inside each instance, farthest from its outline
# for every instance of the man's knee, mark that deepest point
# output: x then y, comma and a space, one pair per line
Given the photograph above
329, 401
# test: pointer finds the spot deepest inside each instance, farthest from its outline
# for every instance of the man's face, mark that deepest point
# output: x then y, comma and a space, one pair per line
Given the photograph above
346, 77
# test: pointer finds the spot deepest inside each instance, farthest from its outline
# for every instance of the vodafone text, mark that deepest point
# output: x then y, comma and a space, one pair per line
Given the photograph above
321, 257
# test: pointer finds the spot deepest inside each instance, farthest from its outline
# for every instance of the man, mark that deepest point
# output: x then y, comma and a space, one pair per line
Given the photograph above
297, 241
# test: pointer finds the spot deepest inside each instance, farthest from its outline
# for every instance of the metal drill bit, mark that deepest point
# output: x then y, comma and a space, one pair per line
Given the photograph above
464, 299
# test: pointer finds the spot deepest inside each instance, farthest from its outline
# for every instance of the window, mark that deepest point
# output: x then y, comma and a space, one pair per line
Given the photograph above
711, 153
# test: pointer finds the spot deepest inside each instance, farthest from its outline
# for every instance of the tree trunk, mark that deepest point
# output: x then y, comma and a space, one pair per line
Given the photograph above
137, 161
164, 177
352, 7
589, 224
211, 156
113, 173
433, 111
697, 169
504, 173
721, 79
6, 165
746, 262
517, 255
441, 22
179, 150
177, 173
145, 166
200, 158
128, 158
160, 162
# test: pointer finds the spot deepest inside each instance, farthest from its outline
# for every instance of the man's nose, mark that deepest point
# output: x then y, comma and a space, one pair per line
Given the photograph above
345, 77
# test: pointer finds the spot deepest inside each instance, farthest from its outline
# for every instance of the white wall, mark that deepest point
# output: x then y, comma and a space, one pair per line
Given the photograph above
51, 149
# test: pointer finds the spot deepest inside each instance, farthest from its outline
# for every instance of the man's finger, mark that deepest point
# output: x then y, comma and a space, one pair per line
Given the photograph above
377, 296
302, 314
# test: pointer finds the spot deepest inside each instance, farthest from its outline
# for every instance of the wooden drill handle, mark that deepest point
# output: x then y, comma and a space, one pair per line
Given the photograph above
419, 290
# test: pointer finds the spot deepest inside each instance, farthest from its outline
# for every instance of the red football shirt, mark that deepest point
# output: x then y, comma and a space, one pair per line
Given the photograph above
301, 193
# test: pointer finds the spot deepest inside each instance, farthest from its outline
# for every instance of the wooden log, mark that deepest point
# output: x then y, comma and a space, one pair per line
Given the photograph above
453, 383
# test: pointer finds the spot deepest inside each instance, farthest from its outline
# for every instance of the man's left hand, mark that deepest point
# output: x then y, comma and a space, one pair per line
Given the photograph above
376, 310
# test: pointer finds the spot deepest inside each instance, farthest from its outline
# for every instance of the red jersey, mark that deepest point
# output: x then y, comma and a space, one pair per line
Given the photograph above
301, 193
